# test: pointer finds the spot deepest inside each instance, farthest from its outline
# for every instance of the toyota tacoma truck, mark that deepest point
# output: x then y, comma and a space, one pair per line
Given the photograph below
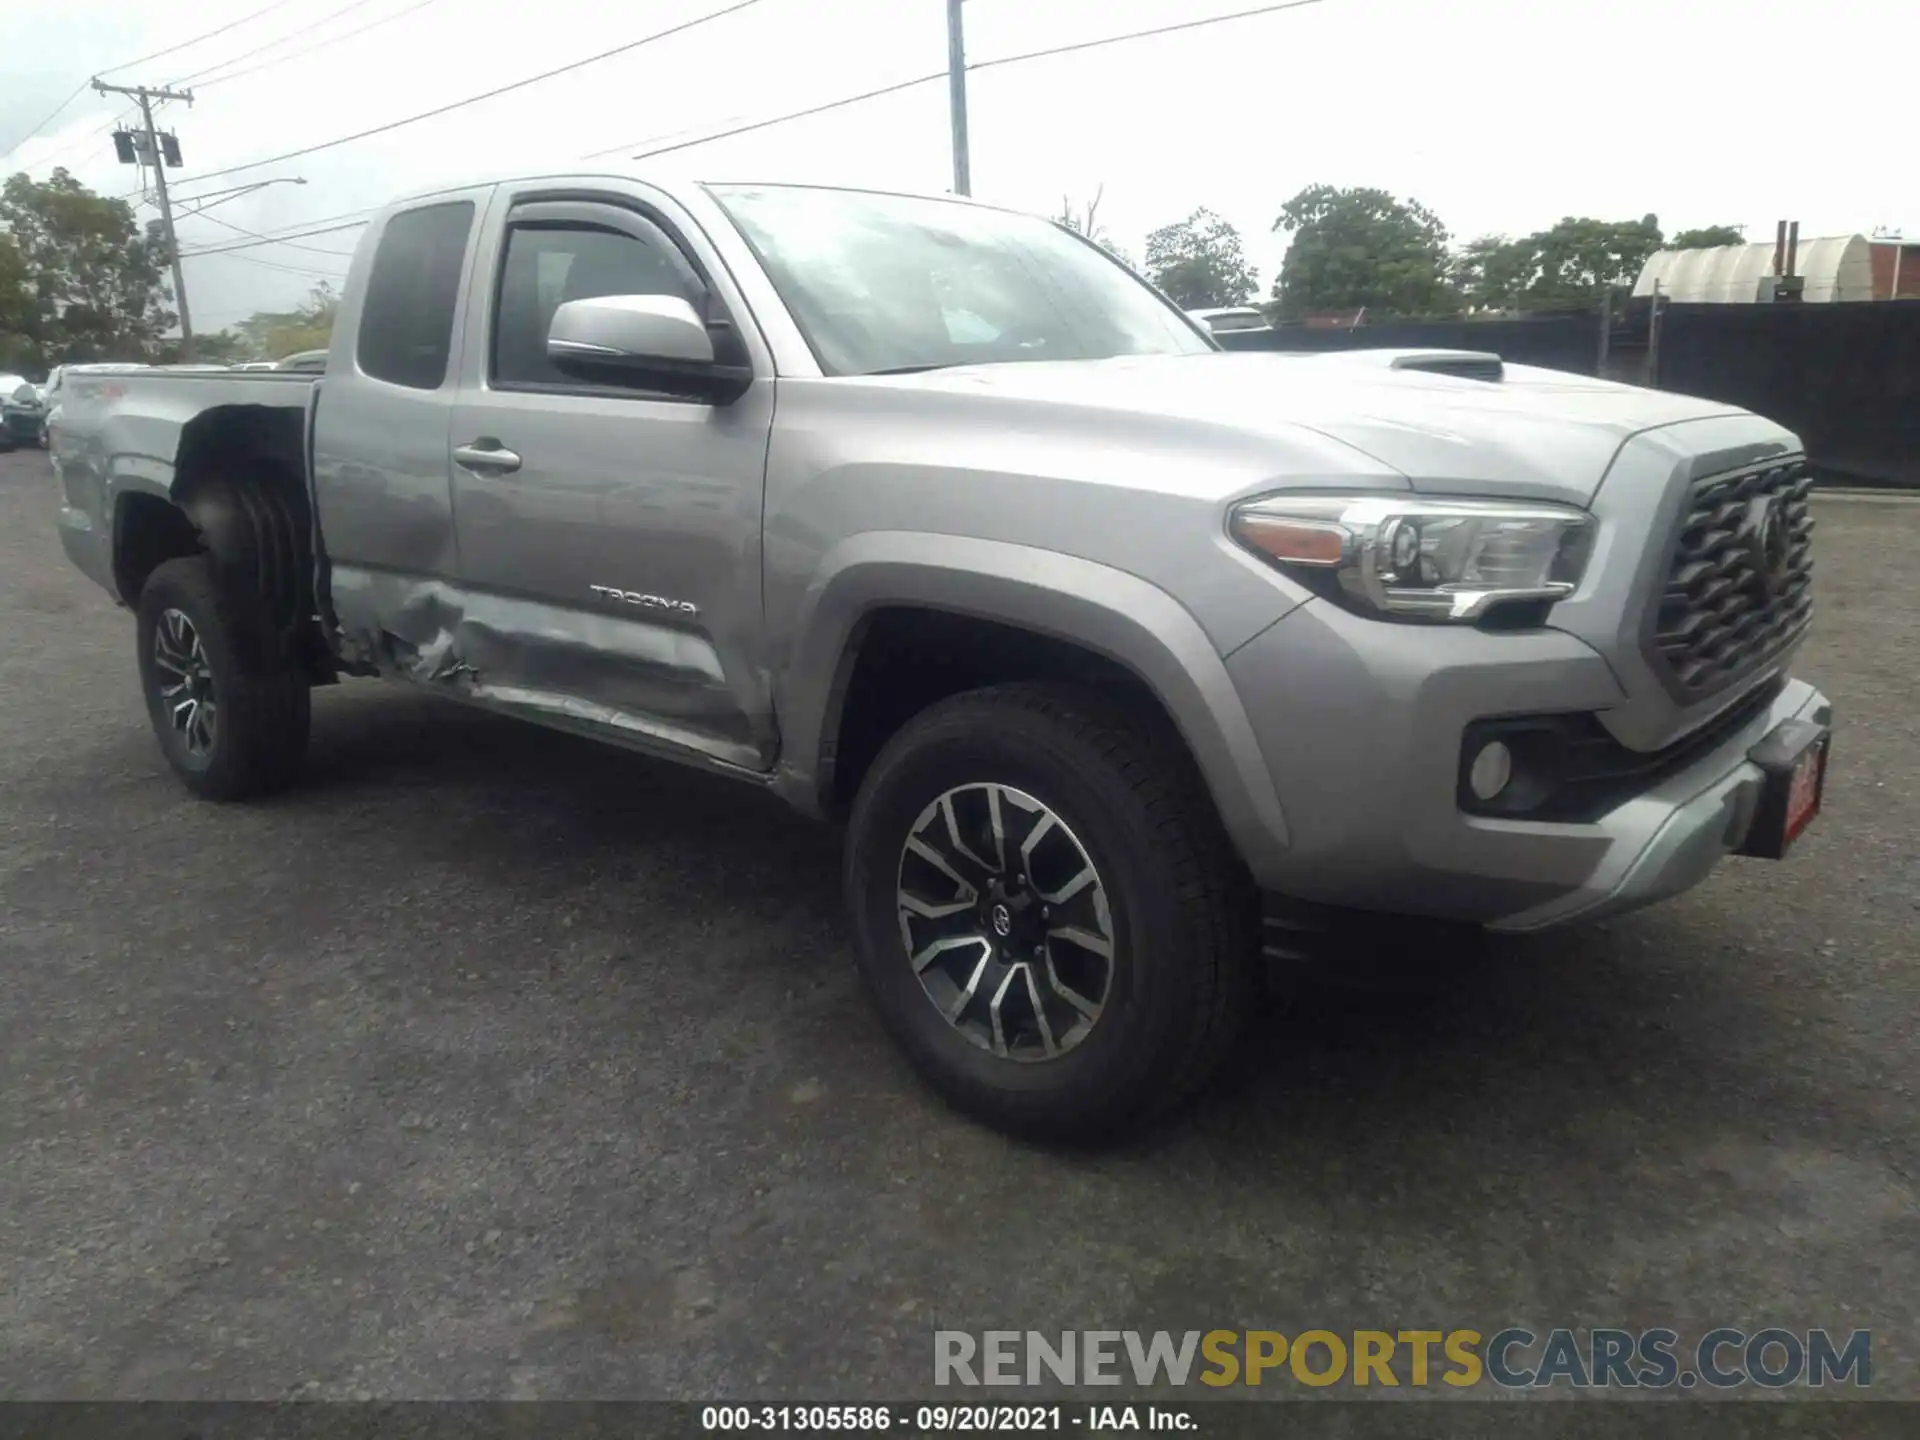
1113, 653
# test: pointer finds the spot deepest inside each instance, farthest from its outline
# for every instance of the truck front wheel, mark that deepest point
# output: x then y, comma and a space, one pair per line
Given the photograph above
1047, 911
230, 710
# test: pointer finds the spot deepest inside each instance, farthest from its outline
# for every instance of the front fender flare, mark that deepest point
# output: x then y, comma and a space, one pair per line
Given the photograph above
1081, 602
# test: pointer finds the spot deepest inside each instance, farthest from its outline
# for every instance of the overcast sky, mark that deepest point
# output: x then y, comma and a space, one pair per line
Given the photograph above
1500, 115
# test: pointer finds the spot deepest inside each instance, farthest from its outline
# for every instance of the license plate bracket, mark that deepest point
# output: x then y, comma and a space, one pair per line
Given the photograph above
1793, 757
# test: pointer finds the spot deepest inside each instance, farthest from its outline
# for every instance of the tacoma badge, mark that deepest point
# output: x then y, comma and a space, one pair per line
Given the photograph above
646, 602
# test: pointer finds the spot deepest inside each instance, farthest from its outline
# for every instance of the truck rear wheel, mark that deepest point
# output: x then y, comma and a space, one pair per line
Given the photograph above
230, 710
1047, 911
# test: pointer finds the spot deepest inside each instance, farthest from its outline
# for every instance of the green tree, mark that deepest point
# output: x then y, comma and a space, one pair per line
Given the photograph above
1355, 247
1708, 237
222, 347
274, 335
1485, 273
1580, 257
1567, 267
90, 284
1199, 263
18, 349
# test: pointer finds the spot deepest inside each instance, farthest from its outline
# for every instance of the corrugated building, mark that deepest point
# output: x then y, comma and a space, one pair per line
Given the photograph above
1835, 268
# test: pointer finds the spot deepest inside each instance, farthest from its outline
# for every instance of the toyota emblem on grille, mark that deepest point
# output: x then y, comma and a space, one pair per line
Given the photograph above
1769, 544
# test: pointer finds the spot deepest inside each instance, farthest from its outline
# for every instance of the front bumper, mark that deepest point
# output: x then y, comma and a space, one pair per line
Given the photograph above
1669, 838
1360, 724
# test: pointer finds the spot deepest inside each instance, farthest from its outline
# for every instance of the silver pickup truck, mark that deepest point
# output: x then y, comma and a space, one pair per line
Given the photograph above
1115, 653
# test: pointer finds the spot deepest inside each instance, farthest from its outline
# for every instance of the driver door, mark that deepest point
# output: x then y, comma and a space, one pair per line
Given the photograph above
609, 534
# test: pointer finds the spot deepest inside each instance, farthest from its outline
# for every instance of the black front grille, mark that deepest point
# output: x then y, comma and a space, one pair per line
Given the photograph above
1739, 588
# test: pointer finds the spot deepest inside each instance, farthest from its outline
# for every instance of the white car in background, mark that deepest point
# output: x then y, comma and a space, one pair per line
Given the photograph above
1220, 319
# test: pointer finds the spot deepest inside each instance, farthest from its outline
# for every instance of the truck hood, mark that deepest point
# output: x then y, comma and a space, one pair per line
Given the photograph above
1535, 433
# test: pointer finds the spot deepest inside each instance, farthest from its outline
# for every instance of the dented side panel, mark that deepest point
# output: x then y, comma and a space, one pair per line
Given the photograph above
632, 678
612, 570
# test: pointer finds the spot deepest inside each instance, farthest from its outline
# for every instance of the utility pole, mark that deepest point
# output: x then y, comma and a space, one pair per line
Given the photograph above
1653, 338
146, 96
957, 98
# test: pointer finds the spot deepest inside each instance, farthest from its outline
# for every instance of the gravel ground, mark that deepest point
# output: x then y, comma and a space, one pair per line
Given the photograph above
491, 1063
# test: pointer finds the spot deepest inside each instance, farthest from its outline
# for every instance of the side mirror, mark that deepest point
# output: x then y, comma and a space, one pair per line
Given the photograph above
655, 340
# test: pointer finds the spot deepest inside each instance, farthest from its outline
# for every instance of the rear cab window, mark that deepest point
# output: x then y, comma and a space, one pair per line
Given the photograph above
413, 291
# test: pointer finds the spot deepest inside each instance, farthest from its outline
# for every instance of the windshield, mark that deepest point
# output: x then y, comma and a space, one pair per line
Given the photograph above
887, 283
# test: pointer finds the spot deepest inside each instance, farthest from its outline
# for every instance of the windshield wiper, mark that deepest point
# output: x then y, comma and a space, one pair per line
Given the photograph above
915, 369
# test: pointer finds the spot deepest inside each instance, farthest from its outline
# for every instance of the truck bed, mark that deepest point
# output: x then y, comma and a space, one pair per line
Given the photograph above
124, 432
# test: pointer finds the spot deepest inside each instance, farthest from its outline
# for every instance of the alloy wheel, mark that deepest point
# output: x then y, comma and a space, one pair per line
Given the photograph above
186, 682
1006, 922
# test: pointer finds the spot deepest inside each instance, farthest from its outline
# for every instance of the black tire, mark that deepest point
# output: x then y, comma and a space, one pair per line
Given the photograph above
1183, 970
264, 706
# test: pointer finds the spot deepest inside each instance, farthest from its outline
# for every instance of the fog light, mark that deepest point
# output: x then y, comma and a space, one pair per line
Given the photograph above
1492, 769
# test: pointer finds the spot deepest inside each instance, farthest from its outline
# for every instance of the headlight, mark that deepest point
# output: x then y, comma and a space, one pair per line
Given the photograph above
1401, 557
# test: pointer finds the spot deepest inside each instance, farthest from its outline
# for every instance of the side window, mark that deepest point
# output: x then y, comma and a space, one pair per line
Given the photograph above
548, 264
406, 319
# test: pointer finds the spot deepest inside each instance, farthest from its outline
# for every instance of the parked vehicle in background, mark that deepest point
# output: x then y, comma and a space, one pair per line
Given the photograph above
8, 384
23, 411
1093, 634
306, 362
1231, 317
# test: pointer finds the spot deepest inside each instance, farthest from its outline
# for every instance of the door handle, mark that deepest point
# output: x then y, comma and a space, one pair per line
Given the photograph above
487, 456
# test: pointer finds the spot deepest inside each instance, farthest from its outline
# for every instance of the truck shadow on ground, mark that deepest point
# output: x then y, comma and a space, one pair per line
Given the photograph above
1643, 1029
1568, 1129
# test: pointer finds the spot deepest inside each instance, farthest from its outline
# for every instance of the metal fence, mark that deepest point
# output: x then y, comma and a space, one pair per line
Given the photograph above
1845, 377
1560, 342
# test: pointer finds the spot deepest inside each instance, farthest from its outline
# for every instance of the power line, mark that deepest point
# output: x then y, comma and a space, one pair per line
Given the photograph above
661, 137
68, 149
318, 44
274, 240
351, 6
841, 103
488, 94
219, 30
1143, 34
810, 110
933, 75
52, 115
287, 230
128, 65
270, 240
288, 269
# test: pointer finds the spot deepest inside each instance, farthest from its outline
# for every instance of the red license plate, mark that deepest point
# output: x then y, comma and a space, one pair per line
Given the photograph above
1793, 763
1803, 791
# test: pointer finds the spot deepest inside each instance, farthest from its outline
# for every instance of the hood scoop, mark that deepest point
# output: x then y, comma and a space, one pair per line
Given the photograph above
1461, 364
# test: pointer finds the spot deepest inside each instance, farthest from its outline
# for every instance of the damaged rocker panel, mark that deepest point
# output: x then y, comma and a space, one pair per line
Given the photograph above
629, 677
